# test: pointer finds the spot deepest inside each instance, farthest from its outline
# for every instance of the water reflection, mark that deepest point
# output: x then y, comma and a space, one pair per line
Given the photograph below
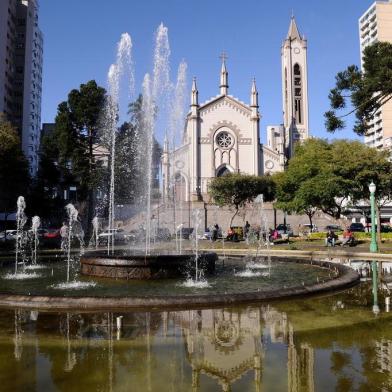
327, 344
223, 344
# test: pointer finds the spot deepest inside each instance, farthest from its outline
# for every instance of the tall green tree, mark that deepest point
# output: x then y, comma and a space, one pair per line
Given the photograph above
77, 133
129, 147
45, 197
364, 91
310, 181
236, 190
333, 176
14, 174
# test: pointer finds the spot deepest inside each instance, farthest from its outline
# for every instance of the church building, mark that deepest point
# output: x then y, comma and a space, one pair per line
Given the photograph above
222, 135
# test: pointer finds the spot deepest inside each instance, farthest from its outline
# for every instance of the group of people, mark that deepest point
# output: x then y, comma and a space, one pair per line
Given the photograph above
234, 235
347, 238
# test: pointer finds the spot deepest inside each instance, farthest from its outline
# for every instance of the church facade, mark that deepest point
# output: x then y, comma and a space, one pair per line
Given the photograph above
222, 135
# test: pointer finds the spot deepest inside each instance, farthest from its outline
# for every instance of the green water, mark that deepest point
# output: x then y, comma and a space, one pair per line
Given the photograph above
228, 279
331, 343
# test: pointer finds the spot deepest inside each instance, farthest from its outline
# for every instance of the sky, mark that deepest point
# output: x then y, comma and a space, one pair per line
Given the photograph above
80, 40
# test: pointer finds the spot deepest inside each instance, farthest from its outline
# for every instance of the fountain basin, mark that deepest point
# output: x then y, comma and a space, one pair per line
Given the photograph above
142, 267
288, 278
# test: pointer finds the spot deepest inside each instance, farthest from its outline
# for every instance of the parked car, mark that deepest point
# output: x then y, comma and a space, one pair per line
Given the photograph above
207, 235
285, 230
185, 232
310, 228
163, 234
357, 227
51, 237
119, 235
384, 228
10, 235
333, 228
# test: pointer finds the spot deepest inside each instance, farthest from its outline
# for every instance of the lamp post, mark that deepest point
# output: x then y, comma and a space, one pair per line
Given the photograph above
373, 246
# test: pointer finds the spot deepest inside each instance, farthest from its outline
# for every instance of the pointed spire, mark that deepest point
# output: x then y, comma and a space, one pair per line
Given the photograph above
195, 94
224, 76
293, 30
254, 96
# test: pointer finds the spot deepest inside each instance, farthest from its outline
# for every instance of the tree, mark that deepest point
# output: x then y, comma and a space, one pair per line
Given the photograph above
366, 90
301, 202
45, 198
361, 165
235, 190
310, 183
77, 134
14, 175
129, 173
332, 177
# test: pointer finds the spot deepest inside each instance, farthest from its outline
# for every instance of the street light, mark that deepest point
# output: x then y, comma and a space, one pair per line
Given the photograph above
373, 243
373, 246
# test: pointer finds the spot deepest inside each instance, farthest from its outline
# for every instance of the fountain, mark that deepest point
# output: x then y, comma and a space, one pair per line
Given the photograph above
94, 240
36, 223
116, 72
149, 276
21, 220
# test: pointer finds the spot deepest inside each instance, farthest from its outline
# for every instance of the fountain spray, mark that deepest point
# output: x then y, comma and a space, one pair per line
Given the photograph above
179, 241
94, 238
122, 66
72, 213
197, 221
36, 223
20, 222
154, 90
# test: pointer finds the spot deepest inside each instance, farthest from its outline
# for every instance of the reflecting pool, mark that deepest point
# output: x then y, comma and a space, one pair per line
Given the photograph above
330, 343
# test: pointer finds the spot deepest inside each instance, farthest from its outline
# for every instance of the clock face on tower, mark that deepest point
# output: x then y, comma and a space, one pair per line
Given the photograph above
296, 50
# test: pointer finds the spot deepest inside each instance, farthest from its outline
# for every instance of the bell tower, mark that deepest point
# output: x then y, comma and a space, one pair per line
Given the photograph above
295, 87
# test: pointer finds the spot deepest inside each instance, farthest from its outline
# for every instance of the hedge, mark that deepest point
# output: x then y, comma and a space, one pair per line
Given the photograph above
357, 235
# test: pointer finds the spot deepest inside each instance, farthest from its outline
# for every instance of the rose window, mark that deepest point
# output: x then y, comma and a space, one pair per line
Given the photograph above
224, 140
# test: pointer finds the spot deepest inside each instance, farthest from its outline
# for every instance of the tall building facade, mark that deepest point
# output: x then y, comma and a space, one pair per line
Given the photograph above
295, 88
21, 51
376, 25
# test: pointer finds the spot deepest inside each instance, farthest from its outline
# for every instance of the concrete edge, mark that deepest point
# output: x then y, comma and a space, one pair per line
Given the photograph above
306, 254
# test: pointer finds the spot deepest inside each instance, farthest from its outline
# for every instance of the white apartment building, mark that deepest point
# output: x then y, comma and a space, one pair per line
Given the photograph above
21, 52
376, 25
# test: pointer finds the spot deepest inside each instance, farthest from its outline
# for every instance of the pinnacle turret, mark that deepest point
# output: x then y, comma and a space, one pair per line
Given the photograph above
195, 94
224, 76
254, 96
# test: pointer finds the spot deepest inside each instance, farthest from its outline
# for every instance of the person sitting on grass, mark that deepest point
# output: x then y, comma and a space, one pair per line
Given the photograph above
230, 234
331, 238
348, 237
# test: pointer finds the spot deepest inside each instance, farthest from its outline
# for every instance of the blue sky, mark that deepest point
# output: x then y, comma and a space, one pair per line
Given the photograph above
81, 36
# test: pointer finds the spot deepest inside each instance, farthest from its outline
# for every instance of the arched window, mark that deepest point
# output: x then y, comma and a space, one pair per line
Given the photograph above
297, 93
223, 171
179, 187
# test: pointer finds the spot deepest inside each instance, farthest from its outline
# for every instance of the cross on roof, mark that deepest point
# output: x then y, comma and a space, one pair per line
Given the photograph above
223, 56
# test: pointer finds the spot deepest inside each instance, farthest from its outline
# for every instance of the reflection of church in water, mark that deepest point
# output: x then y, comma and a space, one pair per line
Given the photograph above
225, 345
222, 135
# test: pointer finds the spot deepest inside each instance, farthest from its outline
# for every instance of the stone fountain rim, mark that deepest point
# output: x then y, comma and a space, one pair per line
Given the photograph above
347, 278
